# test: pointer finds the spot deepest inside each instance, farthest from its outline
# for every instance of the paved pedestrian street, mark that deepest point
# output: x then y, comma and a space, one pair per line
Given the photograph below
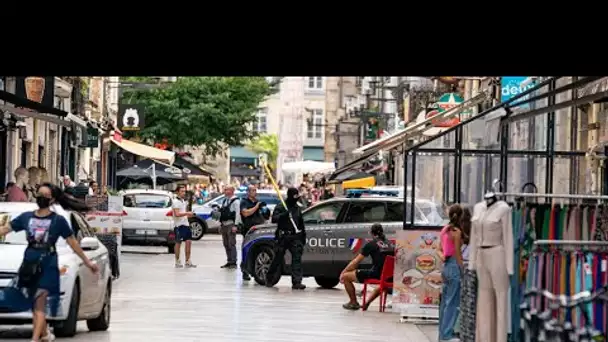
152, 301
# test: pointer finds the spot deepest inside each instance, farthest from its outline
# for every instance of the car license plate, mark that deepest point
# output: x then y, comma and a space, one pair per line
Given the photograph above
146, 232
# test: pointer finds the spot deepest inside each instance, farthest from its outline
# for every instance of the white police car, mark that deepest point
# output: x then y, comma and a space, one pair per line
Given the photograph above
203, 212
84, 295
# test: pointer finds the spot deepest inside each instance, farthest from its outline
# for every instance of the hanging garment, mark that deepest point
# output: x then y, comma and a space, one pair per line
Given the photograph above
468, 306
585, 225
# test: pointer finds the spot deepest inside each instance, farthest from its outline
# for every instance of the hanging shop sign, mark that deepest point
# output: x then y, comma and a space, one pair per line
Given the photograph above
92, 137
417, 277
39, 89
130, 117
511, 86
445, 103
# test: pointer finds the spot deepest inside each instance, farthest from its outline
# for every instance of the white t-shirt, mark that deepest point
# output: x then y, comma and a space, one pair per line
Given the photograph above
181, 205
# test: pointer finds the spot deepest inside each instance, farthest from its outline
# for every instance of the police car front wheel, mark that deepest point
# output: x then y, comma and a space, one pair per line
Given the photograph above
262, 258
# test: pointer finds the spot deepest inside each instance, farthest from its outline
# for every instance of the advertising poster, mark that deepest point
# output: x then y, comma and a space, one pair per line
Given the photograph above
512, 86
417, 277
106, 217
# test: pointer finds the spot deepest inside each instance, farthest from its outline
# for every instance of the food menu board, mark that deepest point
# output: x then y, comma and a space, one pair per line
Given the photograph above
417, 277
105, 217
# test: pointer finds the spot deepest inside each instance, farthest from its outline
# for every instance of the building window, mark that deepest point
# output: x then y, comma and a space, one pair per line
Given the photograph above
315, 125
261, 124
41, 157
315, 83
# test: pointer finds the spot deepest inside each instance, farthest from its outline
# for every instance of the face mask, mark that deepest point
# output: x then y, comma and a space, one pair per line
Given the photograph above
43, 202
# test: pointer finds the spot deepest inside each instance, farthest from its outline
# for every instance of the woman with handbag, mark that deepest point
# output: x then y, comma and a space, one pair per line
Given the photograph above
38, 278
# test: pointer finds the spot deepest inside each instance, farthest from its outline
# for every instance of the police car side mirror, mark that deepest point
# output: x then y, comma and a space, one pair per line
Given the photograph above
215, 207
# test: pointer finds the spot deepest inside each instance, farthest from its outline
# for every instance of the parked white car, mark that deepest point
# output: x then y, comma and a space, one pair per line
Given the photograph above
203, 212
84, 295
148, 218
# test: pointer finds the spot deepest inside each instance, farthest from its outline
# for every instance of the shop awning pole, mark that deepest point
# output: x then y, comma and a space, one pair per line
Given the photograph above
154, 176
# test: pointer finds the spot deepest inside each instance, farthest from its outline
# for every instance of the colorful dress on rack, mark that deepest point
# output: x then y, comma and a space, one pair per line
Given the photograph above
468, 303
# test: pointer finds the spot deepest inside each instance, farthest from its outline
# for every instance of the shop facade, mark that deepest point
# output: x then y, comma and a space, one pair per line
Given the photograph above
44, 127
509, 131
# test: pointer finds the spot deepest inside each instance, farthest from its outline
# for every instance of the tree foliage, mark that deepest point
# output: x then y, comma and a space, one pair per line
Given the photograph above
268, 144
210, 112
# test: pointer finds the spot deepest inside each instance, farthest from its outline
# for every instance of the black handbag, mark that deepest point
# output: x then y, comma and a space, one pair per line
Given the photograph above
30, 273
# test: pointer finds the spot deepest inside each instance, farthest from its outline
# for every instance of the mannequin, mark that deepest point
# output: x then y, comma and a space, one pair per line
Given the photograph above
491, 256
33, 183
16, 193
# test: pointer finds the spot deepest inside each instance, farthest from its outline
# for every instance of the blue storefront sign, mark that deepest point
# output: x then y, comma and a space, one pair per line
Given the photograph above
511, 86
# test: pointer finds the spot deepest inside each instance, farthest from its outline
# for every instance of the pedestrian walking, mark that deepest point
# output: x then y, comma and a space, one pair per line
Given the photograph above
252, 213
230, 219
288, 237
38, 279
182, 227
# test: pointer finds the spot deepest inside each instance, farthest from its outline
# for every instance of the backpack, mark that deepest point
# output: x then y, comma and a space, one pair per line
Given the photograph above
226, 214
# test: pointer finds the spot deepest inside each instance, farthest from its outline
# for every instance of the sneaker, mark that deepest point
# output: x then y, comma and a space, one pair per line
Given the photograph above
352, 306
226, 265
189, 264
232, 266
178, 264
49, 337
246, 277
298, 286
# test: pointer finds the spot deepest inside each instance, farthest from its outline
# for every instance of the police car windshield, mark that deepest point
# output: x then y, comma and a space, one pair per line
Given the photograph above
270, 199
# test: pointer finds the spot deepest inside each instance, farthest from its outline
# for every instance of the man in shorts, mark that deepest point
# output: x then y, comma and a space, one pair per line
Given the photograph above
182, 227
378, 248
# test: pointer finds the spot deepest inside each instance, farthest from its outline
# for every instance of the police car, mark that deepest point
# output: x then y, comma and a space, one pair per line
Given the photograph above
84, 295
336, 230
203, 212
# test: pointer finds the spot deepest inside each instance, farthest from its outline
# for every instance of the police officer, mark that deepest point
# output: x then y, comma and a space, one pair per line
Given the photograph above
288, 236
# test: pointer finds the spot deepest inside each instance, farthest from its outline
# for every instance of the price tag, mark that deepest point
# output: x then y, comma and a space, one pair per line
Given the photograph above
587, 269
604, 265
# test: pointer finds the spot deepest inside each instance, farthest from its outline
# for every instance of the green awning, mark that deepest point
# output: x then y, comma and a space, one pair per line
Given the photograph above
241, 152
313, 153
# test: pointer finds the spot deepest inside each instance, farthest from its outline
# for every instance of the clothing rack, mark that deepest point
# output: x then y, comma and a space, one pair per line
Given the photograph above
571, 242
535, 195
565, 245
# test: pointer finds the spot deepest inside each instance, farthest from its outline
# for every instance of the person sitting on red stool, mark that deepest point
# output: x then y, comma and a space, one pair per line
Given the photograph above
378, 249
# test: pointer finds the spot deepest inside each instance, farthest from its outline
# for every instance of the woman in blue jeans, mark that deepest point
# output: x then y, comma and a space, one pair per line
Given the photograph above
450, 243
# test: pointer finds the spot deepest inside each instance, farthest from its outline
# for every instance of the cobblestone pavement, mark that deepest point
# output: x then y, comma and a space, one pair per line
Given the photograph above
152, 301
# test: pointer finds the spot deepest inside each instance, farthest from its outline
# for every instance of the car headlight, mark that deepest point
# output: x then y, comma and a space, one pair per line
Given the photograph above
64, 269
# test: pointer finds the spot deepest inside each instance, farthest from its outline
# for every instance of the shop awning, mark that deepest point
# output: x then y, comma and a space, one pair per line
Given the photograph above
349, 175
191, 169
33, 105
412, 131
145, 151
32, 109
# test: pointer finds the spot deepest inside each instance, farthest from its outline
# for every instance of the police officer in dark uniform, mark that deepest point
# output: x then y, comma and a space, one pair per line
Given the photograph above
288, 237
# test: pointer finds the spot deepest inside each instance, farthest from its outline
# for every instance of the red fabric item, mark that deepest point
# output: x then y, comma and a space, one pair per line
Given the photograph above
552, 223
